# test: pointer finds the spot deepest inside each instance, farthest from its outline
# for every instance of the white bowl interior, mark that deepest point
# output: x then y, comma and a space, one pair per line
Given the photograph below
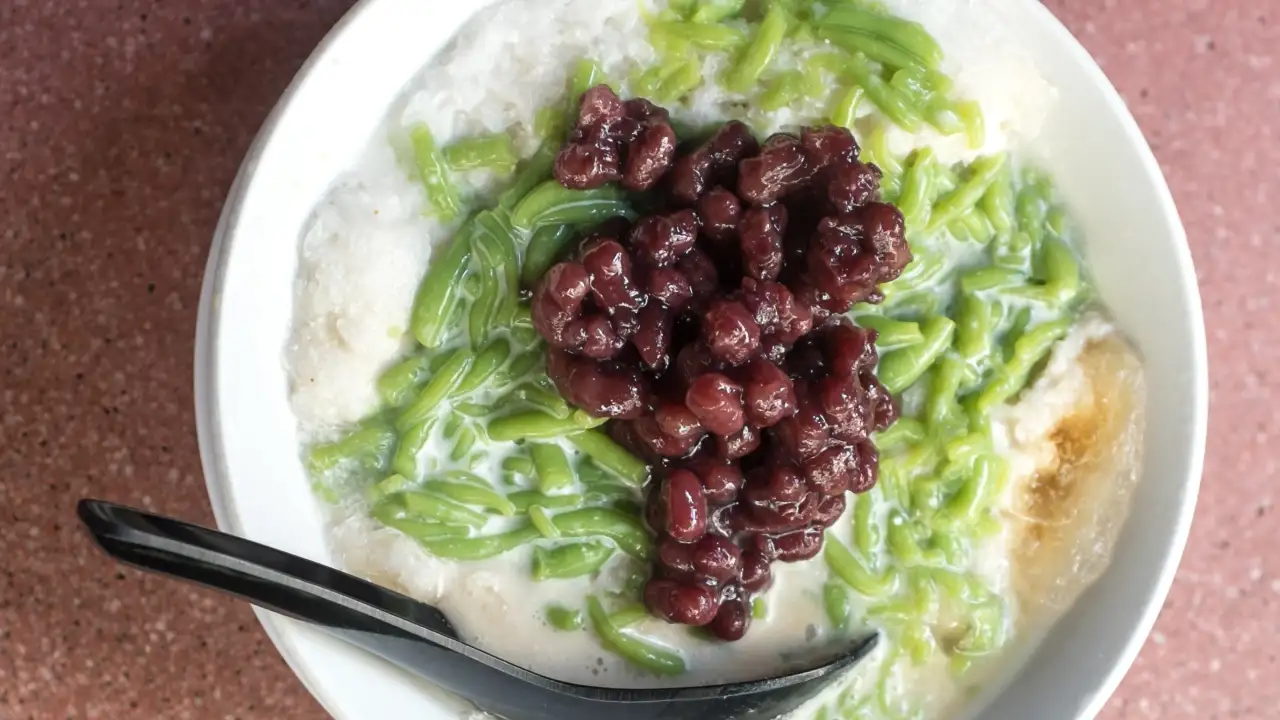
1134, 241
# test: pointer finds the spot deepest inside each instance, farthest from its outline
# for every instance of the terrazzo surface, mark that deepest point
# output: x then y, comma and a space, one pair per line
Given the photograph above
121, 126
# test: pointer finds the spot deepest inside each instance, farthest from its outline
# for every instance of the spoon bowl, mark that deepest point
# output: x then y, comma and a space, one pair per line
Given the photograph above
417, 636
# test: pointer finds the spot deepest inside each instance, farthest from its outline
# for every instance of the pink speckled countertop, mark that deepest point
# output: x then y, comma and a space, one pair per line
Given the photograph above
121, 126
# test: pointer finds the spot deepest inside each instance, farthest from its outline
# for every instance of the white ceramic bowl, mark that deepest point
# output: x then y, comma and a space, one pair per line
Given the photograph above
1134, 243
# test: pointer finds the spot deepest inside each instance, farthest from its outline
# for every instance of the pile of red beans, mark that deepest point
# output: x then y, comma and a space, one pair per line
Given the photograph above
711, 331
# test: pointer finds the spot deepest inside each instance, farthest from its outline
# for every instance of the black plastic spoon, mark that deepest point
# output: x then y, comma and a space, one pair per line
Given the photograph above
417, 636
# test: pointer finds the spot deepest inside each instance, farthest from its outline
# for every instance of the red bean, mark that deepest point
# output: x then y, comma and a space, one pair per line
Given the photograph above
805, 433
739, 444
778, 499
838, 263
780, 517
681, 603
603, 390
721, 480
738, 518
730, 332
852, 185
851, 349
773, 486
720, 211
625, 323
829, 510
642, 110
819, 302
760, 233
773, 349
686, 506
847, 407
807, 361
694, 361
799, 545
600, 341
702, 275
557, 303
658, 442
609, 266
832, 471
599, 105
756, 574
676, 420
670, 286
828, 145
717, 558
649, 157
769, 394
776, 310
782, 167
692, 174
661, 240
883, 404
652, 338
732, 620
590, 163
717, 402
868, 468
885, 233
761, 545
675, 559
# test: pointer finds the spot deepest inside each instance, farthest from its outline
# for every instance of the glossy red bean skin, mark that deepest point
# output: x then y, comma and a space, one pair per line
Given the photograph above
661, 240
805, 433
730, 332
712, 163
852, 349
649, 157
652, 338
732, 620
686, 604
717, 403
828, 145
829, 511
757, 576
853, 185
670, 287
831, 472
799, 544
704, 279
760, 233
720, 211
660, 443
717, 558
770, 394
721, 480
609, 266
868, 468
781, 168
845, 405
739, 444
675, 559
686, 506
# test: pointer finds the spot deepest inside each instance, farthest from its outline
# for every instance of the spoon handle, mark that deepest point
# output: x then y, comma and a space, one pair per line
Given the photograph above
278, 581
417, 636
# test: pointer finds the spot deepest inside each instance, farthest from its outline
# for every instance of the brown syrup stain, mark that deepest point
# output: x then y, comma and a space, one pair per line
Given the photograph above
1070, 510
1051, 497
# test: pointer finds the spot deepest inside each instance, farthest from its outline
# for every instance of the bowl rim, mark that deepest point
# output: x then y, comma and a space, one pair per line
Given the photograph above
212, 449
209, 318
